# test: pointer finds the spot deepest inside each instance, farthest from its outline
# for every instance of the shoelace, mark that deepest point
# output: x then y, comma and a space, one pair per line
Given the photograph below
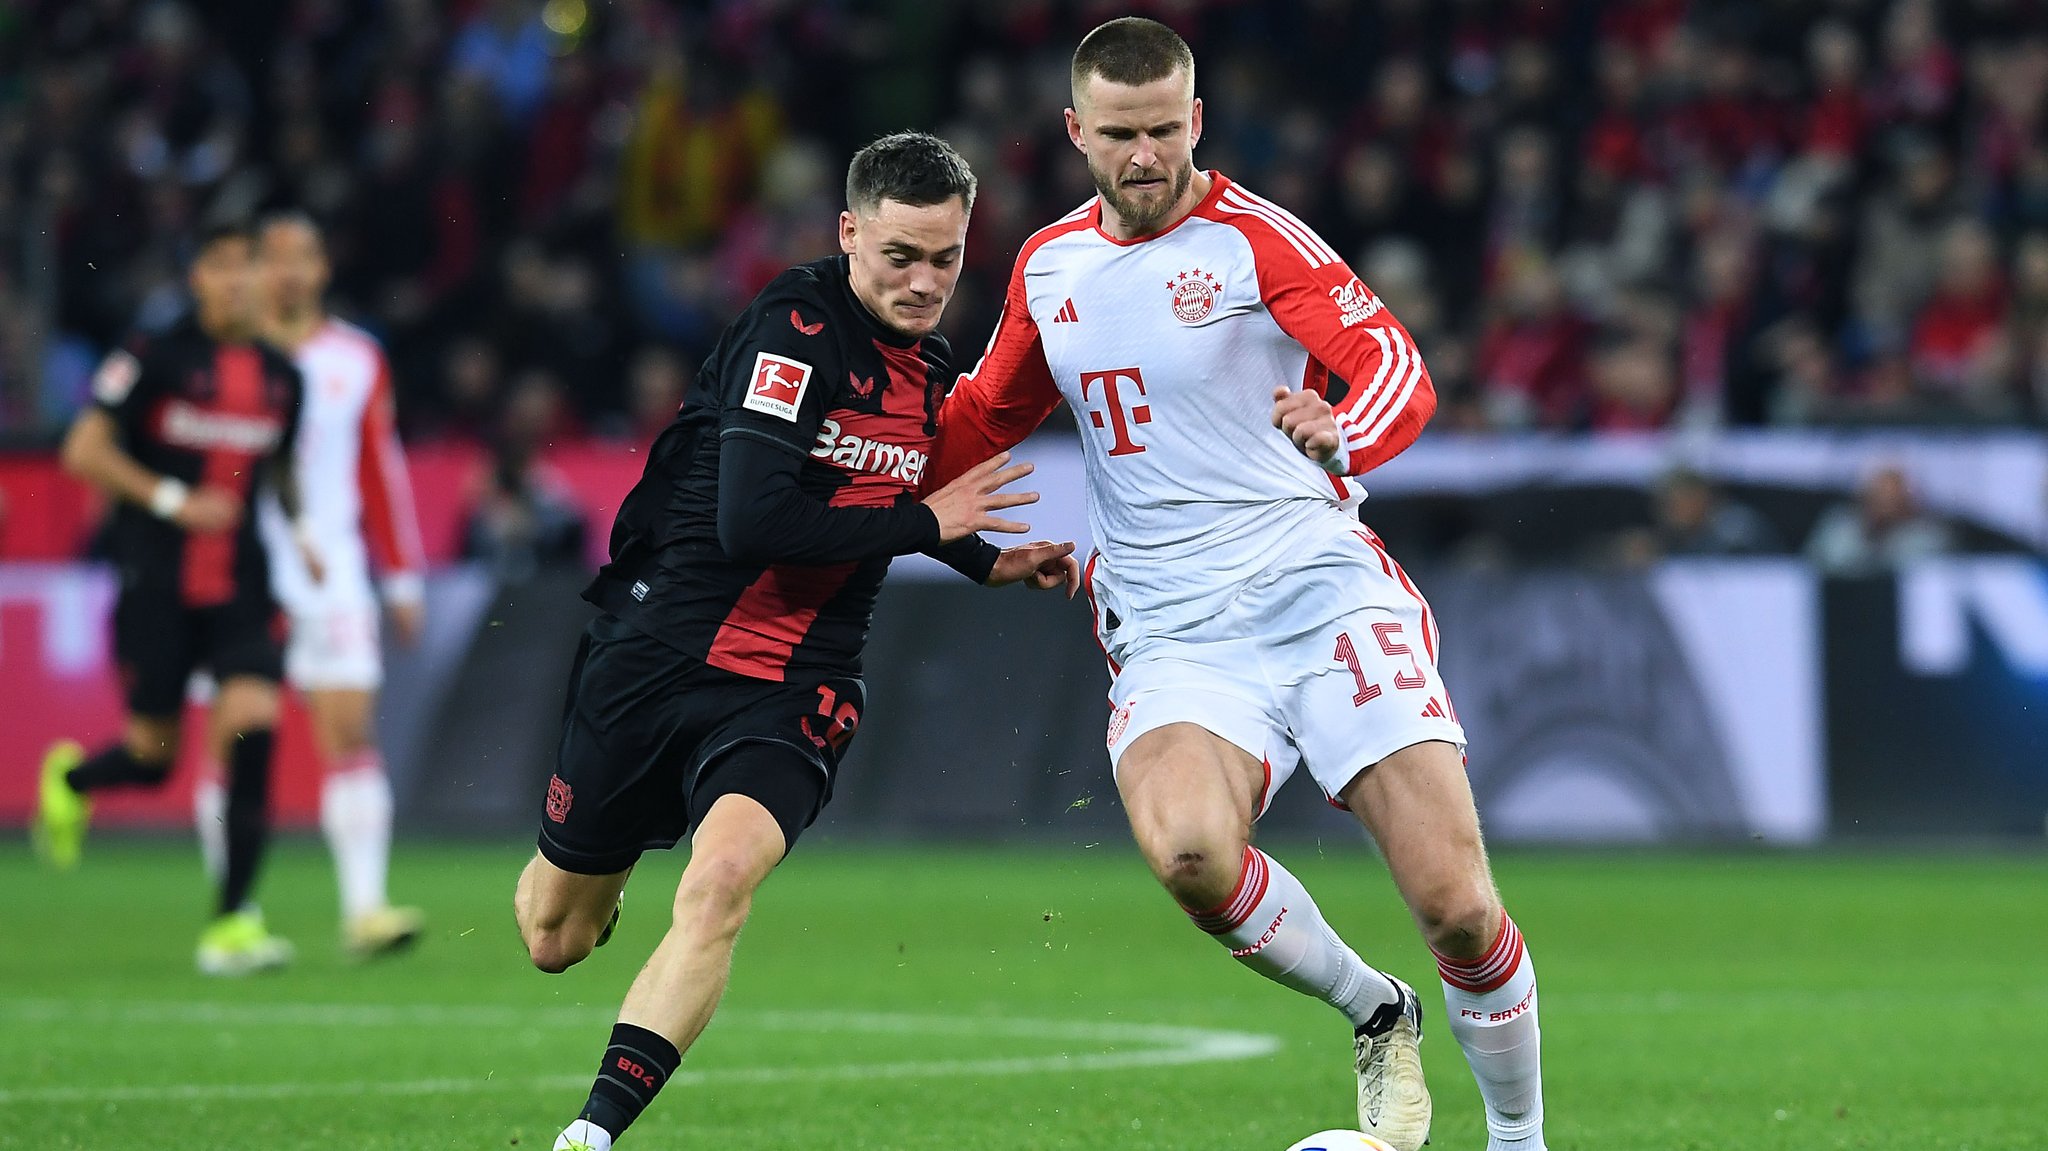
1374, 1072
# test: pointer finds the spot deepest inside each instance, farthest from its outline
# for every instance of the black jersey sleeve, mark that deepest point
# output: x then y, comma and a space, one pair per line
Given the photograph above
124, 384
971, 556
779, 374
765, 517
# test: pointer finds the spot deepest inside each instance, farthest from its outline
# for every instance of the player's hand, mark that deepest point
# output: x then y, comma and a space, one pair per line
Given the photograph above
963, 506
1309, 421
408, 620
309, 554
210, 509
1042, 564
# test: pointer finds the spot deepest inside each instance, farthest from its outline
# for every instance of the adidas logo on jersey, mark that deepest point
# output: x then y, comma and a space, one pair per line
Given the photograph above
1067, 314
860, 454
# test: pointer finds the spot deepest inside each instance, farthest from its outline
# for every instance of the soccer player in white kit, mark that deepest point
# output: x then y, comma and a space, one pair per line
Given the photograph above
358, 508
1251, 623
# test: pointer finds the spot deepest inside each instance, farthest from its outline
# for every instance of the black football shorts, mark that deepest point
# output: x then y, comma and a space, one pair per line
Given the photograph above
652, 737
159, 642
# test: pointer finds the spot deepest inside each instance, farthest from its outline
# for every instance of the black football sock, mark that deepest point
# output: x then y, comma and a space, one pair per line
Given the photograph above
248, 815
635, 1066
116, 766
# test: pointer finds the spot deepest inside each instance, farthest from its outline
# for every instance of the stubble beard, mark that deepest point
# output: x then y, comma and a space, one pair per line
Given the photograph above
1142, 218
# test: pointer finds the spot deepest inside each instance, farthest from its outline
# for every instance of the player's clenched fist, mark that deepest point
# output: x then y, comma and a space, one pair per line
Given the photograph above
964, 506
1309, 421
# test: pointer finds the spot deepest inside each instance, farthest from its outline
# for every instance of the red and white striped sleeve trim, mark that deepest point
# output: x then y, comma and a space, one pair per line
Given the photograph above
1316, 298
1490, 971
1314, 250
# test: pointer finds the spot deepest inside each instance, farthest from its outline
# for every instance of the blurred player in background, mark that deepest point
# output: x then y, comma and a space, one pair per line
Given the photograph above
1251, 623
716, 694
358, 509
180, 428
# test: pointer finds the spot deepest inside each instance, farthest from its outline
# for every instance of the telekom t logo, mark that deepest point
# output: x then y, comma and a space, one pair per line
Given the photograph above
1114, 400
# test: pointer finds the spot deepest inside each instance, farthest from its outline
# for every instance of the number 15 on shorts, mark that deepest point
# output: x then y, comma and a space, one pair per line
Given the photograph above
1387, 637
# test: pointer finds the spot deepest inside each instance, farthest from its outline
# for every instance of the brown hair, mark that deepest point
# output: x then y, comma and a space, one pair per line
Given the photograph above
911, 167
1131, 50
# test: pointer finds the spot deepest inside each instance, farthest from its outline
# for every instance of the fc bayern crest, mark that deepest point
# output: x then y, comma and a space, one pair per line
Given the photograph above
1194, 295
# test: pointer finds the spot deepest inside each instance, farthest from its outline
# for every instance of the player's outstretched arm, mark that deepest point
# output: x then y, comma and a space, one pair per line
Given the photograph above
92, 451
765, 517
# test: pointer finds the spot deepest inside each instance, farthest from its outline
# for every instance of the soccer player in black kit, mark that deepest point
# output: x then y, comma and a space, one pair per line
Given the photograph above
182, 428
718, 691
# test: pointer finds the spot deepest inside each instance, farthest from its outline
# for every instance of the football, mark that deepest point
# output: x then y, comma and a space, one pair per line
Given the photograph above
1341, 1141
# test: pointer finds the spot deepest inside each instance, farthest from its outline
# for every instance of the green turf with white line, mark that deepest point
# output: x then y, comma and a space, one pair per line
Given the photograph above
1051, 998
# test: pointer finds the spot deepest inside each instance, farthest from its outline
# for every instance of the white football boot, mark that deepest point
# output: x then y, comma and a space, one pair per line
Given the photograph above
1393, 1100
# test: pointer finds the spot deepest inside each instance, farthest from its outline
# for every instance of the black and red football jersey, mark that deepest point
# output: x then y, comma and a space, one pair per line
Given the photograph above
209, 414
807, 380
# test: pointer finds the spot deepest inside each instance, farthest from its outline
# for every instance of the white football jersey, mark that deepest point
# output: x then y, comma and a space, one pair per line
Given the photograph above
352, 480
1169, 348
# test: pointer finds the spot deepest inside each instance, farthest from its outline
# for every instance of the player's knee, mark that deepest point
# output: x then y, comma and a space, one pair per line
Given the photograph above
1458, 920
557, 949
1198, 866
249, 710
715, 895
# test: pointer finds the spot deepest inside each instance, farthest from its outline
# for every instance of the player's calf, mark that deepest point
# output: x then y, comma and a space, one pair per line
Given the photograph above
1490, 998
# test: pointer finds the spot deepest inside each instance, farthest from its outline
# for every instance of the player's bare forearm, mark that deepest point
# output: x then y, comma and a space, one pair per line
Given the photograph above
92, 451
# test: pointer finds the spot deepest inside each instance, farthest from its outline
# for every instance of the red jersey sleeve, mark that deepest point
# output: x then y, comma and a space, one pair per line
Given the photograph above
1007, 395
1317, 299
390, 528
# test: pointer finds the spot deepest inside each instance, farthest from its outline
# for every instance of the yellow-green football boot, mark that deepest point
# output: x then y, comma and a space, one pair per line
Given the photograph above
239, 944
62, 812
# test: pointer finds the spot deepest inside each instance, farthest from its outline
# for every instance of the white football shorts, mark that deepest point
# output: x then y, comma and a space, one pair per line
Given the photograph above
1332, 665
335, 645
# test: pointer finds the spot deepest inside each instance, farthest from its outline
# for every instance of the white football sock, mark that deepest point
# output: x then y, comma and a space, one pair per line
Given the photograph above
1270, 925
584, 1131
355, 814
210, 818
1491, 1005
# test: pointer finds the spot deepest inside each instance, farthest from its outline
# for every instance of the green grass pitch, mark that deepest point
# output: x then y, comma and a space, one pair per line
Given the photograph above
1050, 998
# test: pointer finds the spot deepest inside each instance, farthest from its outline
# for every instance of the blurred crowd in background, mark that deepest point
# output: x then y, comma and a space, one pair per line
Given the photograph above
1593, 216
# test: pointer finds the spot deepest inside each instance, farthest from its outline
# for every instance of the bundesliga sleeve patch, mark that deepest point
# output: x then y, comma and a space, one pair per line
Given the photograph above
777, 385
115, 378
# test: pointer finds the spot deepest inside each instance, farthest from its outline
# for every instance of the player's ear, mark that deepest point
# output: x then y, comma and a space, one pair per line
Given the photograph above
1195, 124
849, 227
1074, 129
